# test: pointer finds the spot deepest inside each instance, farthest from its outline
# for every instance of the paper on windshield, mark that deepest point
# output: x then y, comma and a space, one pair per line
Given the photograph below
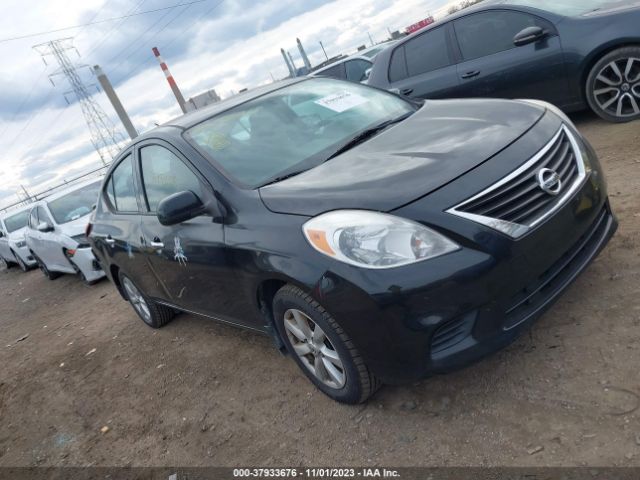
341, 101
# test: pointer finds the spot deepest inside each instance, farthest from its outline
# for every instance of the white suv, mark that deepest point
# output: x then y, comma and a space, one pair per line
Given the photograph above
13, 248
56, 233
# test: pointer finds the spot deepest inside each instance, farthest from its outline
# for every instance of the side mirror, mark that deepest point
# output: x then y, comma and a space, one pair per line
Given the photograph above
179, 207
44, 227
529, 35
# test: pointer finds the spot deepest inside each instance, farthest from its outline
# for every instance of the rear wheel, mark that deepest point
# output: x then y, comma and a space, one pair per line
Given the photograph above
321, 348
613, 85
151, 313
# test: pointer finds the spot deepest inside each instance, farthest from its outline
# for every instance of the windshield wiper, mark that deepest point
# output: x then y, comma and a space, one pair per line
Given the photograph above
366, 134
280, 178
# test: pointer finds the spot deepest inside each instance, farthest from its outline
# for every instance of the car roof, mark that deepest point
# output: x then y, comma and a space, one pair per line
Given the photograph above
197, 116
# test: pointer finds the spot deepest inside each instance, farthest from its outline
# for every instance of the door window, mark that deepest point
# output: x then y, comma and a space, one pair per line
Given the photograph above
334, 72
398, 66
356, 69
428, 52
486, 33
121, 187
164, 174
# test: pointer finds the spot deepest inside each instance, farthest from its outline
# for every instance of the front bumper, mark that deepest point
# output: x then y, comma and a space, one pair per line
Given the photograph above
86, 262
25, 255
442, 314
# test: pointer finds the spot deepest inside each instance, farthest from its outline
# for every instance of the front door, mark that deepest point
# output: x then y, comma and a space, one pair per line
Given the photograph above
188, 260
492, 66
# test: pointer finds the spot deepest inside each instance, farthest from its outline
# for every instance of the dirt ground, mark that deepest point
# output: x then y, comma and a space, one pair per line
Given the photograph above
200, 393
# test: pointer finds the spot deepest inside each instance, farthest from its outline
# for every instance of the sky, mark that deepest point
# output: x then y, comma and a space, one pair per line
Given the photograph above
222, 44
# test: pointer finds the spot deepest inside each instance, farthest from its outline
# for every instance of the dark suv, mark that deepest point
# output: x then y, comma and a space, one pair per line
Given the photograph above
374, 238
572, 53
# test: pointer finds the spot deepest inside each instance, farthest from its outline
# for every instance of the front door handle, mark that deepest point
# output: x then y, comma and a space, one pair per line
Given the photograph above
471, 74
156, 243
109, 240
406, 91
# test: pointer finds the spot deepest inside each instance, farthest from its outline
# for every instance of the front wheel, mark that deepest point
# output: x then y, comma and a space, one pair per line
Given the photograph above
151, 313
45, 271
321, 348
613, 85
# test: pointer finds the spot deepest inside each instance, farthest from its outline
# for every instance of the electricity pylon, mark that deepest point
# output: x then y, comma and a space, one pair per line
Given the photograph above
105, 137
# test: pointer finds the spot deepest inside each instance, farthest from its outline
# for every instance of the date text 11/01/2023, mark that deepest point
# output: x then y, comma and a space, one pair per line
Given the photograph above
315, 472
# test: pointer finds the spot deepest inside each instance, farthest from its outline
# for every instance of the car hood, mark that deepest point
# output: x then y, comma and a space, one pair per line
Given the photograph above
75, 227
440, 142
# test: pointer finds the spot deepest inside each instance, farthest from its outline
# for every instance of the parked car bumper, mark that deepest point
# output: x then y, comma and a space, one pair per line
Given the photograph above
25, 255
86, 262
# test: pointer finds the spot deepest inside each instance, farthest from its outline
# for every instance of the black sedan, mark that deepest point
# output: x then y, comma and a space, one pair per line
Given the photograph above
572, 53
376, 239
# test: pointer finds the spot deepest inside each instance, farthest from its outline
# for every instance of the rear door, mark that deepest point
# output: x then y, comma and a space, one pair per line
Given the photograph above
424, 66
492, 66
188, 260
116, 232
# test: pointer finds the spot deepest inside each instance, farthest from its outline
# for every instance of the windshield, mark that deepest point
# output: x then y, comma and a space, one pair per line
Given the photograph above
75, 204
17, 221
570, 8
294, 128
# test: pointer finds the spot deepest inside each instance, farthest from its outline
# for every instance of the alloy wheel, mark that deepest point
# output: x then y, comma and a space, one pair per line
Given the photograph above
137, 300
314, 348
616, 89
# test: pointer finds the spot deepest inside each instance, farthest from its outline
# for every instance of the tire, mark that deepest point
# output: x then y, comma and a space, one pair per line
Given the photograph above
151, 313
45, 271
613, 85
350, 383
20, 262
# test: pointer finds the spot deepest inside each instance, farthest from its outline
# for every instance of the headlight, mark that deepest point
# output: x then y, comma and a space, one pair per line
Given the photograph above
374, 240
21, 243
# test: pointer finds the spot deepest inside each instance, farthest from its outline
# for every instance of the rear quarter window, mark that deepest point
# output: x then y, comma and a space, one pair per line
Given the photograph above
398, 65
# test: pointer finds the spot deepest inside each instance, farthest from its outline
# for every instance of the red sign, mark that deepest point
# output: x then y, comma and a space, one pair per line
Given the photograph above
420, 25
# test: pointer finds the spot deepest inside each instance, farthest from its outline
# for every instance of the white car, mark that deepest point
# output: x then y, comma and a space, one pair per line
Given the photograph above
13, 248
56, 233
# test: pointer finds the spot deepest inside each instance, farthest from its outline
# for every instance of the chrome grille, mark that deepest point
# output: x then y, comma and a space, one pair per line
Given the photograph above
523, 199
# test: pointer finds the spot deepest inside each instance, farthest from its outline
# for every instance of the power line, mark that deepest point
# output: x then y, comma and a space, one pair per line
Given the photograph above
113, 29
19, 37
150, 38
171, 42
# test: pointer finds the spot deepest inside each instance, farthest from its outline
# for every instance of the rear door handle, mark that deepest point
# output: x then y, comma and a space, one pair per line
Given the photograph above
406, 91
156, 243
471, 74
109, 240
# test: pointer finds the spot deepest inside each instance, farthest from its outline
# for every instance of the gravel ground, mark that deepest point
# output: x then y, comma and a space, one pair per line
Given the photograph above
201, 393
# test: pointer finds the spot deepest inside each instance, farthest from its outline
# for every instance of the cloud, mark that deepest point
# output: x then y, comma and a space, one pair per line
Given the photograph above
226, 45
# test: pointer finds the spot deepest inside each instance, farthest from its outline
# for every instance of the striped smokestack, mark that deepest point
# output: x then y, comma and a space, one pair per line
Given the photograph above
170, 79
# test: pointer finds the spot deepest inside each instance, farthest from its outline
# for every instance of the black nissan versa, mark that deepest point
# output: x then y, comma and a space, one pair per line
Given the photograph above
374, 238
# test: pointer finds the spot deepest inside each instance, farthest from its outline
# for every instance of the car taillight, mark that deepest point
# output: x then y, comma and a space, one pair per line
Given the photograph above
87, 231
